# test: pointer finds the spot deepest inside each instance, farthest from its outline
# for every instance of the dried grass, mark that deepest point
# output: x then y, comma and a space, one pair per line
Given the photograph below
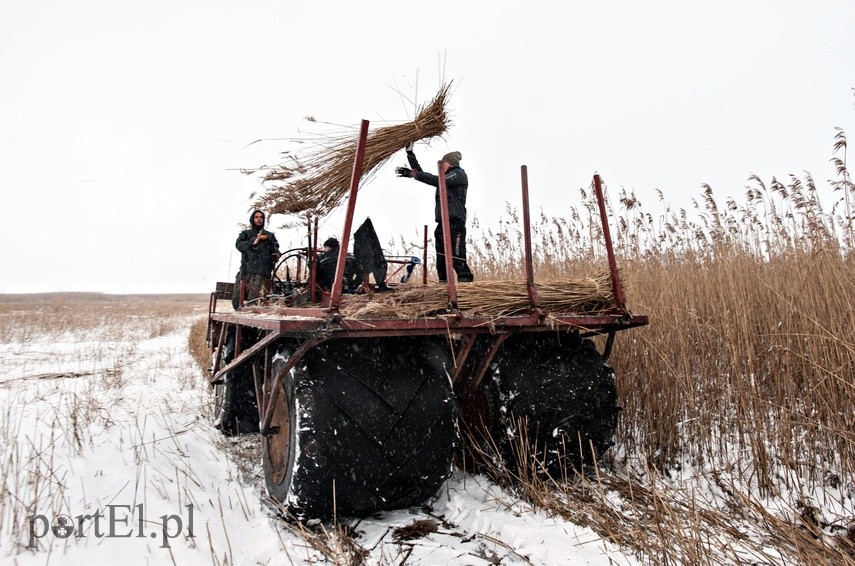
317, 183
197, 344
417, 529
24, 317
488, 298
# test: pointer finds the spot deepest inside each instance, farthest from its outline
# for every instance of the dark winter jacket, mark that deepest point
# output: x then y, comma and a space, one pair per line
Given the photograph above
327, 262
456, 183
260, 258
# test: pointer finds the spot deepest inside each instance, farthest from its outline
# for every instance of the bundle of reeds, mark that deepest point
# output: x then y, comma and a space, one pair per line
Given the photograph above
317, 183
488, 298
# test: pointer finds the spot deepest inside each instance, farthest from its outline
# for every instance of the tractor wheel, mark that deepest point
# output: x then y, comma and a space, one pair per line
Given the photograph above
553, 404
235, 406
361, 425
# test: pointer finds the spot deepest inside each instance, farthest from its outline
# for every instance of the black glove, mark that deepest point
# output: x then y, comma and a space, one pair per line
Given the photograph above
403, 172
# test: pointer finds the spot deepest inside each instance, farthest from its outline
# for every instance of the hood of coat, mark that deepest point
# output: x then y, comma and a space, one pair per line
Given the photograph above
252, 223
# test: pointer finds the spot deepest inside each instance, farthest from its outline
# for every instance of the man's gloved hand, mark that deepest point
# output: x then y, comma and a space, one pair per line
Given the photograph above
410, 147
403, 172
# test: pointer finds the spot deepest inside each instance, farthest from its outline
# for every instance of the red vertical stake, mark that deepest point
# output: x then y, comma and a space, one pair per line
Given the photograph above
424, 258
529, 266
616, 286
312, 260
356, 175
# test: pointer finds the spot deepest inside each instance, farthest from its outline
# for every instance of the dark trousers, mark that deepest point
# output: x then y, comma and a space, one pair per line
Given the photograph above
458, 251
256, 287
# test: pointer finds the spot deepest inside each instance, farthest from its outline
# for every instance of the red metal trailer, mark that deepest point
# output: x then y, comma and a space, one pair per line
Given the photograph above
359, 415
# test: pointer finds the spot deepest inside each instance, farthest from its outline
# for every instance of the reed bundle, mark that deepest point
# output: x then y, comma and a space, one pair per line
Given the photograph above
318, 182
488, 298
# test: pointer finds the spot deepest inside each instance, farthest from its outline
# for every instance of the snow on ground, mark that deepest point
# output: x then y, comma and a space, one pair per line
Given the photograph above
109, 457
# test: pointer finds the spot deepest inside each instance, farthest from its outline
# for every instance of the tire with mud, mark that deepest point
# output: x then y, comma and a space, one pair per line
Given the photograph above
552, 403
360, 426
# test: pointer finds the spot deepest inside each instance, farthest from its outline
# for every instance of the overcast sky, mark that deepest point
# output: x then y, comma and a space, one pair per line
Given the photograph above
123, 124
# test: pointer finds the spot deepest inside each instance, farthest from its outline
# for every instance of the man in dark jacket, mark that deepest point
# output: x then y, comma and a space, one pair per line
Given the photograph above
456, 183
327, 262
259, 252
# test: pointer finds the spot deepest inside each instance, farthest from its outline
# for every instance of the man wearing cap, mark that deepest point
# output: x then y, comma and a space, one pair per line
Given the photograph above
456, 183
327, 262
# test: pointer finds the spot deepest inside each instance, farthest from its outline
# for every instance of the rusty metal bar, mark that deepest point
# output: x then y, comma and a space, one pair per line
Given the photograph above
212, 307
425, 258
280, 376
311, 260
529, 266
462, 355
265, 379
303, 321
251, 351
356, 175
485, 362
241, 300
450, 279
258, 384
616, 286
610, 340
220, 341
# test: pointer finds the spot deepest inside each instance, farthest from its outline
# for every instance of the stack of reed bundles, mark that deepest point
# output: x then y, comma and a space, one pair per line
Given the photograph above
493, 298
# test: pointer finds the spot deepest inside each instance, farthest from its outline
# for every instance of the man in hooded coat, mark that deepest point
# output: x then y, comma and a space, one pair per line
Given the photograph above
259, 252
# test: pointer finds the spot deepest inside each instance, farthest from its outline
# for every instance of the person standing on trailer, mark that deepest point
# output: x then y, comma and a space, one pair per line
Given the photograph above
456, 183
259, 252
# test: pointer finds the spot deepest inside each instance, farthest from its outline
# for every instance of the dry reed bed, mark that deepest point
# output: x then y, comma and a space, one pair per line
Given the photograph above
746, 375
752, 341
756, 355
677, 526
23, 317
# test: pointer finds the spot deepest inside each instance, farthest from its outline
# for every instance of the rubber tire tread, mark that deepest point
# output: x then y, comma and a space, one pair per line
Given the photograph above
564, 389
375, 417
235, 405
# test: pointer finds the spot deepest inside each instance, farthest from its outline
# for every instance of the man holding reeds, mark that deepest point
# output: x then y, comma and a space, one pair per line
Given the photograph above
456, 183
259, 252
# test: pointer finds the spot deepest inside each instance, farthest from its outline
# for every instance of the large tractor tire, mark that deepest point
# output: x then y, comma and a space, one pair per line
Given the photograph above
360, 426
235, 406
552, 403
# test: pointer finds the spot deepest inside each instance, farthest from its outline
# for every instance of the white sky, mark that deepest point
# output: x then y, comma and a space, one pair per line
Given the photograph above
122, 124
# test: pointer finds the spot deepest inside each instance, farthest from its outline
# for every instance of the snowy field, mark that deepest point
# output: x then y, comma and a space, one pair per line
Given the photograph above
109, 457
